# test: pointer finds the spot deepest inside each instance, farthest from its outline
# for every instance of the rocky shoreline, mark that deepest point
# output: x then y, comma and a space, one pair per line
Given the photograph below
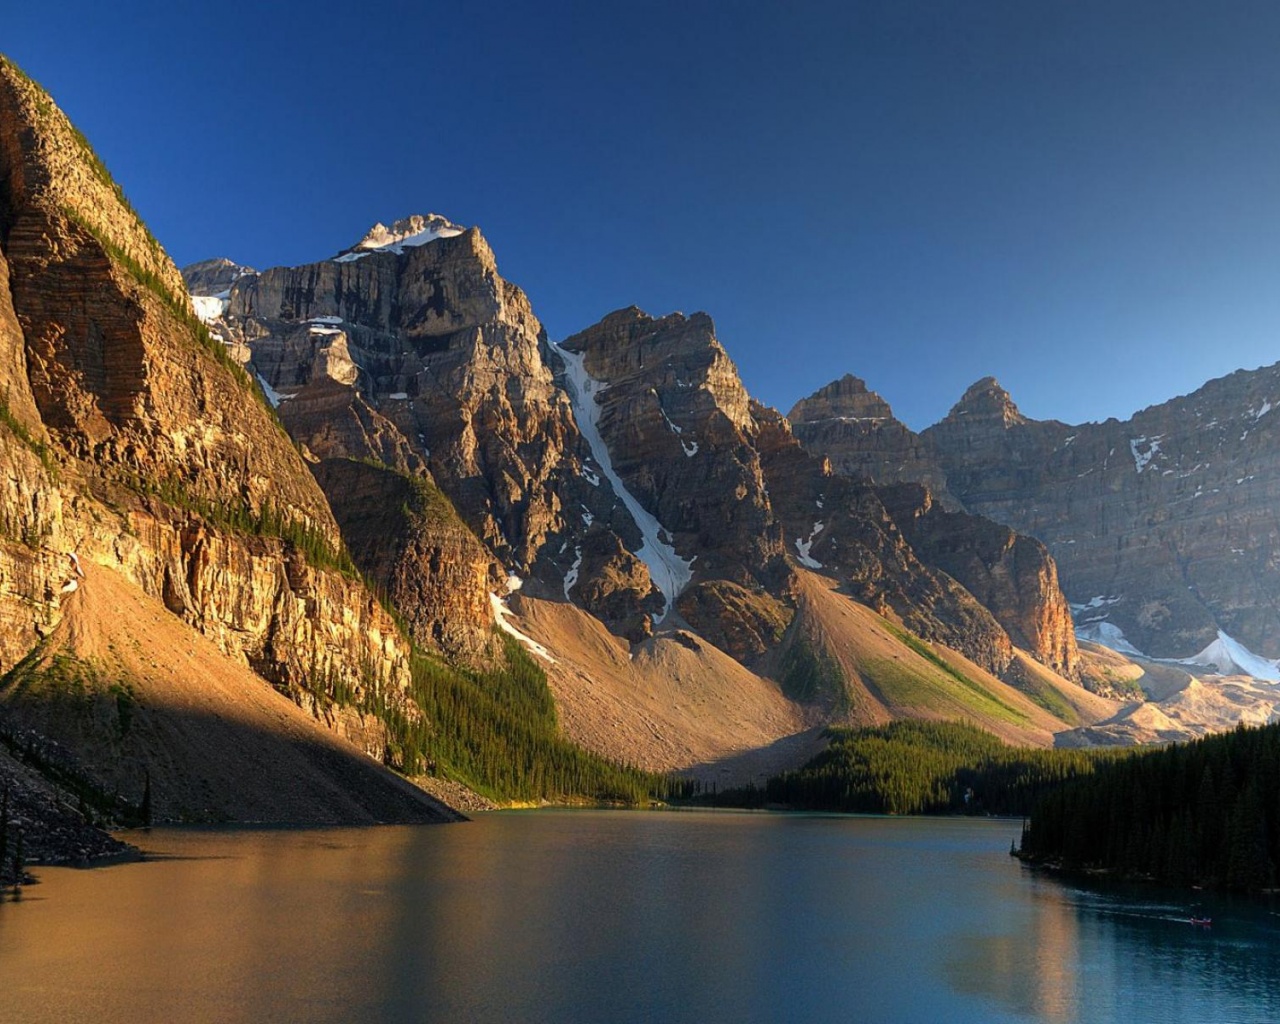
41, 826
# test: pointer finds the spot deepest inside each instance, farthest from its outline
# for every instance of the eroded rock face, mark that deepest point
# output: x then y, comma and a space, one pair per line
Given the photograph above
411, 350
214, 278
739, 498
1165, 523
1011, 574
857, 431
405, 535
1163, 526
678, 424
842, 526
134, 442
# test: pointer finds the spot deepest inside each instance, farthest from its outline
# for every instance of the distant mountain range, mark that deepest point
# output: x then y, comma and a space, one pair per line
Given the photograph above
300, 482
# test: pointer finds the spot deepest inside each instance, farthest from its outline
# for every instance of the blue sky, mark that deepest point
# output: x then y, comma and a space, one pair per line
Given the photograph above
1079, 198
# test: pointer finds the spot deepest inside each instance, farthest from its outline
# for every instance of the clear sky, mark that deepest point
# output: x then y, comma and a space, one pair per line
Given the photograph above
1077, 197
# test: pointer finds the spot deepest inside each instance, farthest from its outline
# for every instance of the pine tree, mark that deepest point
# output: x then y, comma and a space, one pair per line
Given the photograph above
19, 863
4, 826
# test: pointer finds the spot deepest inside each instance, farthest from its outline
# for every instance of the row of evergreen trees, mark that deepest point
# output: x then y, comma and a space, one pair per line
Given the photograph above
914, 767
1204, 813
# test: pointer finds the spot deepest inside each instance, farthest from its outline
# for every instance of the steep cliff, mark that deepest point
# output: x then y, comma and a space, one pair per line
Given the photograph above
130, 440
674, 417
1010, 574
411, 350
1164, 525
842, 526
856, 430
736, 501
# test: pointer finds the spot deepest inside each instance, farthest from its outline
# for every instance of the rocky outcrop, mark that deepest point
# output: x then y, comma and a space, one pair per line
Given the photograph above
213, 279
842, 526
409, 349
856, 430
740, 501
678, 425
405, 535
1164, 525
1012, 575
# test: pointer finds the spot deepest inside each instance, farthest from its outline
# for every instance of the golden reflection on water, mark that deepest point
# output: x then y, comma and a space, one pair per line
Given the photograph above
611, 916
1034, 970
219, 937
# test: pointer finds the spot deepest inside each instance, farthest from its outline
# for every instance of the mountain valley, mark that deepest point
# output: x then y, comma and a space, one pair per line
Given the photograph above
274, 544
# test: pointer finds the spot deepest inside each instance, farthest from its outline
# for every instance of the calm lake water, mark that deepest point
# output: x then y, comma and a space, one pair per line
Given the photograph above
599, 916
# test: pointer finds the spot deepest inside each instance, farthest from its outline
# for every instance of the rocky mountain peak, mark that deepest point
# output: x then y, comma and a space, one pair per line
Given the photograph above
679, 356
856, 430
988, 402
847, 398
405, 233
214, 277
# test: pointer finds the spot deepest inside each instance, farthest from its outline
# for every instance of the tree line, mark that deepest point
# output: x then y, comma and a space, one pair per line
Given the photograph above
1202, 813
916, 767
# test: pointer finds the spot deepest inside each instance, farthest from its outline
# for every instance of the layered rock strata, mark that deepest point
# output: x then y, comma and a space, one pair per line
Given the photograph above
409, 349
129, 439
1163, 526
855, 428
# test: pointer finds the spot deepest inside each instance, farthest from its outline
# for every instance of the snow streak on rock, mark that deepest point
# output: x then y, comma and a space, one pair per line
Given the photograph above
670, 573
571, 577
803, 547
500, 613
403, 234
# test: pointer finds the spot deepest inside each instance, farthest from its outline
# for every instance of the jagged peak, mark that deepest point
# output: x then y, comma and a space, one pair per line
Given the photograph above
631, 324
629, 340
985, 399
219, 263
214, 278
848, 398
625, 317
408, 232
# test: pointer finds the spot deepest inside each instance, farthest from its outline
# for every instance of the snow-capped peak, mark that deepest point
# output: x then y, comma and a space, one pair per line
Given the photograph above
406, 233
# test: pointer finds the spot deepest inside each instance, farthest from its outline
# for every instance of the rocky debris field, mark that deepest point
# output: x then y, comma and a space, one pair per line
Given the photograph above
52, 831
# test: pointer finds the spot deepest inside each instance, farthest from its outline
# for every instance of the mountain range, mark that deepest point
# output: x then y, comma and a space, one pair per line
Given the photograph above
254, 523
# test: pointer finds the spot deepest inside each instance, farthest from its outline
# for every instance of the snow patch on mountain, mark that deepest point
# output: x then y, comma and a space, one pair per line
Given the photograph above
1141, 456
273, 396
670, 573
803, 547
571, 577
500, 613
1227, 656
209, 308
403, 234
1108, 634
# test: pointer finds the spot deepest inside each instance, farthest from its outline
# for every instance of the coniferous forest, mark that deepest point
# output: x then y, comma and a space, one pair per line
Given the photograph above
916, 767
1200, 813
